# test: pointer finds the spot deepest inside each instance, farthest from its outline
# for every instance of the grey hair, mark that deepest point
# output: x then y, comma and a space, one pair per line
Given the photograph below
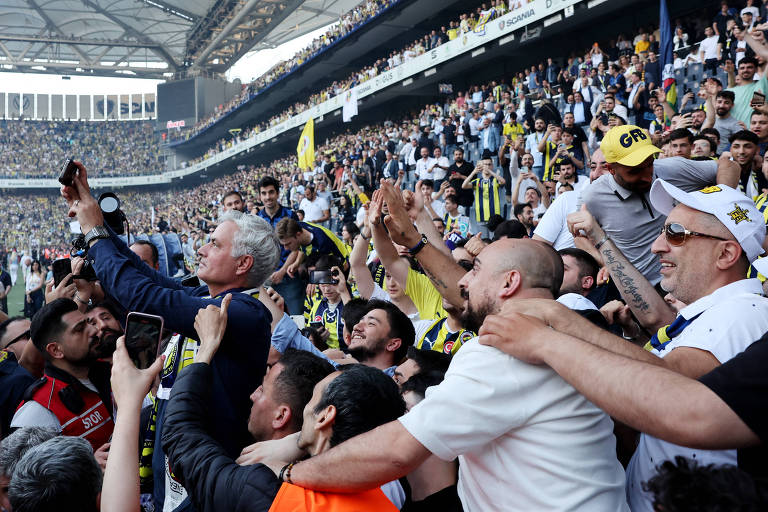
256, 237
13, 447
60, 474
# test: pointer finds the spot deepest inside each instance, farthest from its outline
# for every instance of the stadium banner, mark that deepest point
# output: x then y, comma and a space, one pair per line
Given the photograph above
523, 13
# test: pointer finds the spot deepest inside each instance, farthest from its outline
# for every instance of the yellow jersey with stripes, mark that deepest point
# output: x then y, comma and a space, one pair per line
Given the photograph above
486, 198
438, 337
324, 241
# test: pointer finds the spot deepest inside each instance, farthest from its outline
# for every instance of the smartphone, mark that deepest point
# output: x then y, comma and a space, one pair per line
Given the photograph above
322, 277
758, 98
142, 337
68, 171
61, 268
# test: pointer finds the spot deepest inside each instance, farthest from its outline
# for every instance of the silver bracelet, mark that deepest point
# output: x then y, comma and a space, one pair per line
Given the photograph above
599, 244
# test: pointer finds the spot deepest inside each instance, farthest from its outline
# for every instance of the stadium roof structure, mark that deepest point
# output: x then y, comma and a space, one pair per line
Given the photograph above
150, 38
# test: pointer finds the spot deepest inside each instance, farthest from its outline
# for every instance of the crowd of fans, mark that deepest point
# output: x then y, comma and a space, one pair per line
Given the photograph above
120, 148
348, 23
444, 313
482, 13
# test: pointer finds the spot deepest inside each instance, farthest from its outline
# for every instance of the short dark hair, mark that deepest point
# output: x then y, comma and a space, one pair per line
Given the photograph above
364, 398
353, 312
712, 145
153, 248
269, 181
748, 60
685, 485
232, 193
429, 183
419, 382
460, 150
681, 133
429, 360
519, 207
588, 265
47, 324
710, 131
452, 198
400, 326
302, 370
728, 95
745, 135
510, 229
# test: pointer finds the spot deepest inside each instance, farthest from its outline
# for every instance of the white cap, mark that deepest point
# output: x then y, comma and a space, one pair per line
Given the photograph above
731, 207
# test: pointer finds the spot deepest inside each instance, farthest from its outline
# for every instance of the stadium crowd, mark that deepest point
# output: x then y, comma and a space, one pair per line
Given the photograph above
482, 13
119, 148
507, 301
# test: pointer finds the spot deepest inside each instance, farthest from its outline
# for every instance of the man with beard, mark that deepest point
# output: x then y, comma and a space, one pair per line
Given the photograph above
14, 378
719, 106
104, 316
382, 337
556, 449
74, 394
619, 203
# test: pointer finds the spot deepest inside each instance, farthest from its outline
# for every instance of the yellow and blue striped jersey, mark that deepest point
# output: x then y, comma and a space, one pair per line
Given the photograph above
486, 198
437, 337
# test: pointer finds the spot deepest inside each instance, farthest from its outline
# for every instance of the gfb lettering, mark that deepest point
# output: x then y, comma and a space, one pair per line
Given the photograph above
92, 420
635, 135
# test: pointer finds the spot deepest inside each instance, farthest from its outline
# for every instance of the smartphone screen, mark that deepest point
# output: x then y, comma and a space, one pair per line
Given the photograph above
61, 268
142, 337
757, 98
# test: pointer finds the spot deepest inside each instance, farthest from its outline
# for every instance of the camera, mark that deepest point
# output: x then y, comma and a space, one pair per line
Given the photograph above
79, 249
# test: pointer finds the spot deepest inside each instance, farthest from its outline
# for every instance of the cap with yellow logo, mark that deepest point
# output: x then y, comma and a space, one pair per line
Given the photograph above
628, 145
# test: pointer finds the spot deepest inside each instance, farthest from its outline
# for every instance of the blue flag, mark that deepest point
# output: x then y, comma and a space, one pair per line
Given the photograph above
665, 36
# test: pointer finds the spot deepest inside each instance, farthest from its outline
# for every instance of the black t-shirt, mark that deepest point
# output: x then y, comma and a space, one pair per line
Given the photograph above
742, 383
466, 197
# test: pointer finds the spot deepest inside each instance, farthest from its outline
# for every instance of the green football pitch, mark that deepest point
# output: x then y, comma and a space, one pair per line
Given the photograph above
16, 297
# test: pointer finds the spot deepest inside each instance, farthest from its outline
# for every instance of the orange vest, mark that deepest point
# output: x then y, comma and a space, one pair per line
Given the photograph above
292, 498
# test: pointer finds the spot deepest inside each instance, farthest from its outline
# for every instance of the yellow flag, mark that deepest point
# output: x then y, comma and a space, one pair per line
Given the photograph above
306, 148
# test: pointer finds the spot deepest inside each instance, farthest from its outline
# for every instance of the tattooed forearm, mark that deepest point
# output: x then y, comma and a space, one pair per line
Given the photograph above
627, 286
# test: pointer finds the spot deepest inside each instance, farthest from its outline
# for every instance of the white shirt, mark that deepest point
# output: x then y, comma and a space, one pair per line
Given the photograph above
525, 439
709, 47
553, 226
313, 210
439, 172
532, 146
423, 166
730, 319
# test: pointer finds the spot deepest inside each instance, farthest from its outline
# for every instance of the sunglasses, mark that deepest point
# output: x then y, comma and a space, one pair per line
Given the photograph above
677, 235
25, 335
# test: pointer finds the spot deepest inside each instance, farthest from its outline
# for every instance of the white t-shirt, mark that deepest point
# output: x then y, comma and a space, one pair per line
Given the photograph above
709, 47
313, 210
553, 226
526, 440
730, 319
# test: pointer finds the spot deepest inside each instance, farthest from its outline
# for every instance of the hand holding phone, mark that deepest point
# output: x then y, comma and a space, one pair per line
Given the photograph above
142, 338
68, 171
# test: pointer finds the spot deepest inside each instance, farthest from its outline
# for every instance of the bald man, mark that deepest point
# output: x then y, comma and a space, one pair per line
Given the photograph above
525, 439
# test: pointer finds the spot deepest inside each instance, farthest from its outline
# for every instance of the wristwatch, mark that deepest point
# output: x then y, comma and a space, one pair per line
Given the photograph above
96, 233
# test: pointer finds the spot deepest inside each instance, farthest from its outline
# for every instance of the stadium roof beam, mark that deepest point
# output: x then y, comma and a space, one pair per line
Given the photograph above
58, 68
243, 30
53, 27
132, 32
172, 9
79, 41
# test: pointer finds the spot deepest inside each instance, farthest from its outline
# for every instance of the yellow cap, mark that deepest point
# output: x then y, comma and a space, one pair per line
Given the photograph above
628, 145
